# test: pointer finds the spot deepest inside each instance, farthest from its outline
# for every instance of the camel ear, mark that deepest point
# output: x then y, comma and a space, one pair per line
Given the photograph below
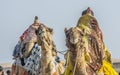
51, 30
37, 31
65, 30
80, 31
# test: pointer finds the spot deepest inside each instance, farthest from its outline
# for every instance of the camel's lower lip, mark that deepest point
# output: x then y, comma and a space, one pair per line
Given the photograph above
74, 42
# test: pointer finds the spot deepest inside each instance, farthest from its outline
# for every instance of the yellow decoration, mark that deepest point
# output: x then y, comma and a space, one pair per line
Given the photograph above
68, 70
107, 69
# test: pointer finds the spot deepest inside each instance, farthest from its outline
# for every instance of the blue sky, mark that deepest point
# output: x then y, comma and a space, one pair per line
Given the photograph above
17, 15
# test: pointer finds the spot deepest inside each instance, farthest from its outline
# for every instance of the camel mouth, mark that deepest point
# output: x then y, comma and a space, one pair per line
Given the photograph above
74, 41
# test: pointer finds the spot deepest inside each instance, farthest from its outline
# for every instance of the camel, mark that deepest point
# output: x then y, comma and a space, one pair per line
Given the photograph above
78, 51
48, 65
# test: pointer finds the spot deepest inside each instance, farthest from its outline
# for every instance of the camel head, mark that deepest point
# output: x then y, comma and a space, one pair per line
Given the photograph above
73, 35
44, 34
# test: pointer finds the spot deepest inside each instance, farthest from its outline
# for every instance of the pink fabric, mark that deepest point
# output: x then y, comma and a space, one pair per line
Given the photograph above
23, 35
29, 34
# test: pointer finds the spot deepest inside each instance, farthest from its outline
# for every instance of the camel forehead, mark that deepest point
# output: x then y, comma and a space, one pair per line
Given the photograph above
73, 31
43, 30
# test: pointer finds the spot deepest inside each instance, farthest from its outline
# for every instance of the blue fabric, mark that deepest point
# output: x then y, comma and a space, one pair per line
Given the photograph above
32, 62
16, 51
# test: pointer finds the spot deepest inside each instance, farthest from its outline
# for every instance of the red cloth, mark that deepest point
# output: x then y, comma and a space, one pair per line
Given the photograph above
29, 34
